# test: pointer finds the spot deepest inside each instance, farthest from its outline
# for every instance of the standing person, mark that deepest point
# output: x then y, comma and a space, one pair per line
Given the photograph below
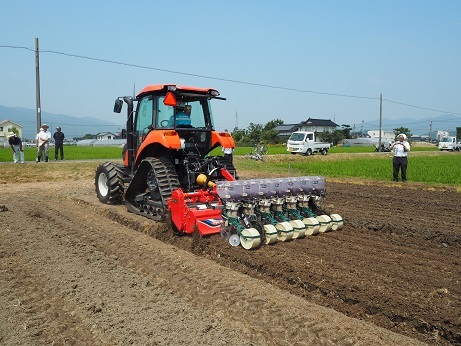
400, 160
37, 141
58, 137
228, 152
43, 141
16, 145
38, 144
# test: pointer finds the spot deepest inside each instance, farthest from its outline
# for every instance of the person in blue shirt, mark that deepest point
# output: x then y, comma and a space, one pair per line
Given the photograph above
182, 118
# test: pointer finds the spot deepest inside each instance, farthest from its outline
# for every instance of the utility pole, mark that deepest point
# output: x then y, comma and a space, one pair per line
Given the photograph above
236, 120
37, 85
380, 119
430, 131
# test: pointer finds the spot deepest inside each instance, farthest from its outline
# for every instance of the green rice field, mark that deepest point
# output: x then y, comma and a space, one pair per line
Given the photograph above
426, 164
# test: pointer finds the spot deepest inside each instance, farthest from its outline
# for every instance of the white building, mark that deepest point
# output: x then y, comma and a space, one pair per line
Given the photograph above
105, 135
5, 127
386, 136
441, 134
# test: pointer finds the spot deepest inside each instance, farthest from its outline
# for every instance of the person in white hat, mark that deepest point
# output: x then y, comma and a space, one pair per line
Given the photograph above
400, 160
43, 141
16, 145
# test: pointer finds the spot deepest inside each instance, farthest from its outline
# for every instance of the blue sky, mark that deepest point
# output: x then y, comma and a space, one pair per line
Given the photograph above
287, 60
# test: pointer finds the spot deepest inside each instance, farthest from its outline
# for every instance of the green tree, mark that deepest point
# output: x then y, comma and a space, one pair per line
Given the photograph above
269, 134
401, 129
253, 134
238, 134
346, 130
331, 137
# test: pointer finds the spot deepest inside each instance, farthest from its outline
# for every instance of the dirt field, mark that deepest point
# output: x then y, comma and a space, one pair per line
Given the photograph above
76, 272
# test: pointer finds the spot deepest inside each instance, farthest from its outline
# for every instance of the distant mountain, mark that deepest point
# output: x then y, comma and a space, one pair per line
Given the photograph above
419, 127
71, 126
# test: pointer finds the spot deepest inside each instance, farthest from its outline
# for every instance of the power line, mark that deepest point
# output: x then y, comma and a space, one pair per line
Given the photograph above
427, 109
196, 75
225, 79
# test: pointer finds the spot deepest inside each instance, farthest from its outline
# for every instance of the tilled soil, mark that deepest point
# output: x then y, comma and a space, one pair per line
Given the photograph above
76, 272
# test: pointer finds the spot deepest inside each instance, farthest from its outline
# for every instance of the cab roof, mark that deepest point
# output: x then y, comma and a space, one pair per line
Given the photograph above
184, 88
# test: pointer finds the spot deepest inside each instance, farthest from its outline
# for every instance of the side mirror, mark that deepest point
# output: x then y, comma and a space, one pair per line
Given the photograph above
118, 105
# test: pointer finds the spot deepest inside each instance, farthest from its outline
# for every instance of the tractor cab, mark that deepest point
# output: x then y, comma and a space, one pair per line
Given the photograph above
170, 120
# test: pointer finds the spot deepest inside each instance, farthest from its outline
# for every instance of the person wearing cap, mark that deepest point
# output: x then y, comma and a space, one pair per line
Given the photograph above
16, 145
43, 141
182, 117
400, 148
58, 137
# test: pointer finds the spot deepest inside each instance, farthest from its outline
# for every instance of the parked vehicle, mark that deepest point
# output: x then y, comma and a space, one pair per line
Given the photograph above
384, 149
450, 144
303, 142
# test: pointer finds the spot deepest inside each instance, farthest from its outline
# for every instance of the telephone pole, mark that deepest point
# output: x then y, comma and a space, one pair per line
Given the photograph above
380, 119
430, 131
37, 85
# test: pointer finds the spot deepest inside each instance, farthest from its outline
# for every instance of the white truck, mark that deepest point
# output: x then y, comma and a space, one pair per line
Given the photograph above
303, 142
449, 143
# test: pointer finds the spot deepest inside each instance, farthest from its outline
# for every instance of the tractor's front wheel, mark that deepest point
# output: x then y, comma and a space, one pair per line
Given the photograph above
109, 183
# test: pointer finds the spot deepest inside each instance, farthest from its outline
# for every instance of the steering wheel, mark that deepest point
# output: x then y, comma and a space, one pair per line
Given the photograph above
164, 123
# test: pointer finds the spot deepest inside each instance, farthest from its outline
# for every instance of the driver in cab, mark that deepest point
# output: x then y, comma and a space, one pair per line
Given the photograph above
182, 117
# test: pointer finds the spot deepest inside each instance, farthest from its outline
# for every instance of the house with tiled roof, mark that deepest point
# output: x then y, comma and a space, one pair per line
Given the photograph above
285, 130
318, 125
311, 125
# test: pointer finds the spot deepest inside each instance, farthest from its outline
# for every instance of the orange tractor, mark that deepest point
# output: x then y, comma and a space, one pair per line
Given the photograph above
168, 173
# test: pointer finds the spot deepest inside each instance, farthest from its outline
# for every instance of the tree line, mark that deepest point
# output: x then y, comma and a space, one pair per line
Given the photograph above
258, 133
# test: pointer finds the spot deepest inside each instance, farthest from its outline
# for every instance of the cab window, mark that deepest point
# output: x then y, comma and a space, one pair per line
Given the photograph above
164, 113
143, 117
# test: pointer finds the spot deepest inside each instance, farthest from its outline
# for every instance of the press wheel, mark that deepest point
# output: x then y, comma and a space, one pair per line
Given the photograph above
336, 221
285, 231
325, 223
270, 233
250, 238
312, 224
299, 229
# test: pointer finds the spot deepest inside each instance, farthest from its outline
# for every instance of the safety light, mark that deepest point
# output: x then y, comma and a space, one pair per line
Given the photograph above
170, 133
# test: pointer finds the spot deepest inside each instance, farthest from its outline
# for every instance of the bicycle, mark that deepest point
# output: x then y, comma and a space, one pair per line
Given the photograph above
257, 153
